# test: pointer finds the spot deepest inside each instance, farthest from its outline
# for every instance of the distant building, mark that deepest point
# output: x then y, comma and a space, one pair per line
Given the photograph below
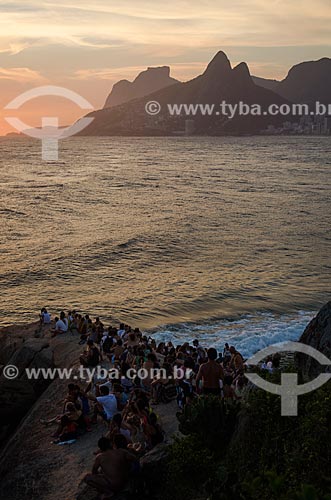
189, 127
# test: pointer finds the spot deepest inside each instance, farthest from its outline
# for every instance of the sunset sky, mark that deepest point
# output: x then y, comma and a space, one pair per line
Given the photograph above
86, 46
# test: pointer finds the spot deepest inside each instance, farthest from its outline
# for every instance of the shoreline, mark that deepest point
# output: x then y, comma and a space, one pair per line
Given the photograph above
250, 332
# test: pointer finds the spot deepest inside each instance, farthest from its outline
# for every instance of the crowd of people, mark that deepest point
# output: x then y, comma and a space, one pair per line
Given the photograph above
128, 405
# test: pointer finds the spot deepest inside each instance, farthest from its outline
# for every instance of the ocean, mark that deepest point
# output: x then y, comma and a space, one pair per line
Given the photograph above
221, 239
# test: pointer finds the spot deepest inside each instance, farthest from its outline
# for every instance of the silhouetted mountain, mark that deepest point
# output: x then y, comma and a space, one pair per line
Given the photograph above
145, 83
308, 82
266, 83
218, 83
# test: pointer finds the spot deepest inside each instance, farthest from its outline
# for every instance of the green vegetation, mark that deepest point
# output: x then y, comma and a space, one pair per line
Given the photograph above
210, 419
250, 452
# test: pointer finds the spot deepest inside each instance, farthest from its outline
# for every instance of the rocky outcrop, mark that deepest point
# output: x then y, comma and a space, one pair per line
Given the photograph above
27, 449
27, 353
31, 466
18, 395
12, 337
317, 335
153, 466
8, 347
145, 83
308, 82
22, 348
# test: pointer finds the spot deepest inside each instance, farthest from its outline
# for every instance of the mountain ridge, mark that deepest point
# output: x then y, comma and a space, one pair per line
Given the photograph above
146, 82
218, 83
306, 82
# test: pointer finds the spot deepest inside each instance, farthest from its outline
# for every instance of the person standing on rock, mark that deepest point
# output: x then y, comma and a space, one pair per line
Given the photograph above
211, 374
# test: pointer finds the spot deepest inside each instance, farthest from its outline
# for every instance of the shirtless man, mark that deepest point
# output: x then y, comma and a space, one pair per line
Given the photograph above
111, 468
210, 373
149, 365
117, 351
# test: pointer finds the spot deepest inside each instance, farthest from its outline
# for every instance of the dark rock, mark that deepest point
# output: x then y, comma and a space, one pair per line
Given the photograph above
153, 466
19, 394
16, 398
25, 355
85, 492
317, 335
43, 359
154, 457
9, 344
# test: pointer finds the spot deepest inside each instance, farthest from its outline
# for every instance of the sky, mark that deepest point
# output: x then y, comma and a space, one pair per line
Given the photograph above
86, 46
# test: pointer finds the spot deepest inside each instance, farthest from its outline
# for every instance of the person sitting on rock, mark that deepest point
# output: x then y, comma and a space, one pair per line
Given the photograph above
60, 327
119, 426
105, 404
111, 469
82, 328
45, 317
138, 437
154, 432
91, 357
68, 430
116, 352
106, 343
70, 410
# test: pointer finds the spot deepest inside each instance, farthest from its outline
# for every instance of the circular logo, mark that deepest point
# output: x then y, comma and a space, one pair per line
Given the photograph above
10, 372
153, 108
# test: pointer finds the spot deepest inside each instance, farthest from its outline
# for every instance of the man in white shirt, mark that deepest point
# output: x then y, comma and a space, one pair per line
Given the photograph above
60, 327
106, 404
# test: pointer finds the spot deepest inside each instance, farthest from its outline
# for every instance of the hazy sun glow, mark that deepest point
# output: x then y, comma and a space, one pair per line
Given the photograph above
87, 46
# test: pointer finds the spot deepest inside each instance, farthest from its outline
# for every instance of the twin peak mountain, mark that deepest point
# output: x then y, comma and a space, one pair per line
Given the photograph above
124, 111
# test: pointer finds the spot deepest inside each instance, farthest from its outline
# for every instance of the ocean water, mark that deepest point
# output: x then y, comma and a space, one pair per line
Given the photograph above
220, 238
249, 333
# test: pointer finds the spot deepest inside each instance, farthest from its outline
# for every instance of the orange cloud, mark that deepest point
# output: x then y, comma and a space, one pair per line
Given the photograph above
21, 75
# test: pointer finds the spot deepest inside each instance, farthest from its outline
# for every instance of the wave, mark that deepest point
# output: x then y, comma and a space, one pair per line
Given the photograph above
248, 333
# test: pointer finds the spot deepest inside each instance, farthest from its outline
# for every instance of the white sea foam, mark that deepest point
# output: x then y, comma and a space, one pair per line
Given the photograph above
248, 334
